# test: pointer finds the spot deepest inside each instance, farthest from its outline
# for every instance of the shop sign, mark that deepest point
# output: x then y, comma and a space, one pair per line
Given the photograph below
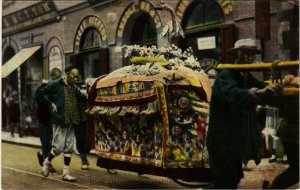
28, 14
206, 43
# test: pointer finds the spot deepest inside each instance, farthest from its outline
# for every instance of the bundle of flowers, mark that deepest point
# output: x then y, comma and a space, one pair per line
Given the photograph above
170, 56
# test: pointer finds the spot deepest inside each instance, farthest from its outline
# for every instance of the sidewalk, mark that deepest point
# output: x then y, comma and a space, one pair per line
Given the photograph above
25, 140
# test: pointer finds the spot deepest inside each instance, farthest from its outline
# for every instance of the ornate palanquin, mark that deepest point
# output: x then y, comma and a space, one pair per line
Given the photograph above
158, 120
153, 112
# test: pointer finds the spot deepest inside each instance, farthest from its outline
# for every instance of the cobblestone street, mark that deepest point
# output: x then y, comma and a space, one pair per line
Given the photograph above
264, 171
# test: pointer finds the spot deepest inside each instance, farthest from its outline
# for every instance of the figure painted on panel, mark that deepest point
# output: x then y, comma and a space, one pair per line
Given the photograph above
125, 143
138, 146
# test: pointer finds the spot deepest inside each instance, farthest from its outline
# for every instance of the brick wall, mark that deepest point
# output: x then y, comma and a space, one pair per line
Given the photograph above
271, 46
243, 16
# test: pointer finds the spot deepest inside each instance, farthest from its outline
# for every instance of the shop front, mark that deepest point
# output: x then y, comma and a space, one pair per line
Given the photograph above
24, 73
205, 31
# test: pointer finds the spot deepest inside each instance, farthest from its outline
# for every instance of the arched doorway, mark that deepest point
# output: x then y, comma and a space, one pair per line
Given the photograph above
88, 61
202, 21
91, 54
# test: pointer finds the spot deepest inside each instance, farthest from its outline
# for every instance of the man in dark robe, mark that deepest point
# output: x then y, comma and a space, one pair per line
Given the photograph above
233, 135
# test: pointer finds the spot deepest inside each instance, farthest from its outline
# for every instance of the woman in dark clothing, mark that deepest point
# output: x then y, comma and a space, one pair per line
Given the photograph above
233, 135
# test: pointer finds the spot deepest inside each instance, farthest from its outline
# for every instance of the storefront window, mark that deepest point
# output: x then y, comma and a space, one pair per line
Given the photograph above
31, 77
34, 70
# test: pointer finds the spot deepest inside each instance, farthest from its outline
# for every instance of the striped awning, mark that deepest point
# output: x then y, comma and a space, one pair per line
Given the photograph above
17, 60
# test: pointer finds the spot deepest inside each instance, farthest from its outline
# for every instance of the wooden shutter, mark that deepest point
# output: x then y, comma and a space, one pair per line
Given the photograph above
104, 61
74, 59
227, 42
175, 40
262, 19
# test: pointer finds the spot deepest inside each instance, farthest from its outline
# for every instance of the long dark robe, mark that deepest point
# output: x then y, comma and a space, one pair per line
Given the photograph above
233, 135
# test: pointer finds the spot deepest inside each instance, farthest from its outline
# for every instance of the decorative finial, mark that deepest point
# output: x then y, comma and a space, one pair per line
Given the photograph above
172, 28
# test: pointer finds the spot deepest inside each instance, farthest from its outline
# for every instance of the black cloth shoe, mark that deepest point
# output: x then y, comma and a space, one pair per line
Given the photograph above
40, 158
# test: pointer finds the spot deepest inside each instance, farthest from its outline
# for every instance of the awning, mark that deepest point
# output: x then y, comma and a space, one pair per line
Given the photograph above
17, 60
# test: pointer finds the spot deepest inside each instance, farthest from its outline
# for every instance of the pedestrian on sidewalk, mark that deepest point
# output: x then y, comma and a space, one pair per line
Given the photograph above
14, 113
6, 97
233, 135
64, 117
26, 117
43, 115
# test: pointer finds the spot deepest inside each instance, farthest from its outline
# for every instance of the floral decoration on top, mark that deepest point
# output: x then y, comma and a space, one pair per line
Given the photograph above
169, 56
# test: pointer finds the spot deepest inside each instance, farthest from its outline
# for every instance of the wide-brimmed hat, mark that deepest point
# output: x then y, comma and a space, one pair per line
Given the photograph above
248, 45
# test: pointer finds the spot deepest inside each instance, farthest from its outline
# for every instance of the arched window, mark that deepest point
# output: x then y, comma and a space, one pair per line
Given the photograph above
55, 59
201, 23
203, 12
141, 30
144, 31
91, 39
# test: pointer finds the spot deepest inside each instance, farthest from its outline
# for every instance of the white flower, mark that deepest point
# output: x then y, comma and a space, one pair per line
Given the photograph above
174, 55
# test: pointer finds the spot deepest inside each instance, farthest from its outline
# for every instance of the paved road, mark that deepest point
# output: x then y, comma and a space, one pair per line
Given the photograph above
20, 169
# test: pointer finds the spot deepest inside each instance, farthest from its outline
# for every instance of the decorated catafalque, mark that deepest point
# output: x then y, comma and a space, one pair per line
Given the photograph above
154, 111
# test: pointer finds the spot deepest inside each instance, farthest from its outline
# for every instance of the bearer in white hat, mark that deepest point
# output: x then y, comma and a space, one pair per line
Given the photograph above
233, 135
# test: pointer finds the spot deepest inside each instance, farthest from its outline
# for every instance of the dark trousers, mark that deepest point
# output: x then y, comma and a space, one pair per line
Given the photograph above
226, 166
80, 134
46, 139
291, 176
